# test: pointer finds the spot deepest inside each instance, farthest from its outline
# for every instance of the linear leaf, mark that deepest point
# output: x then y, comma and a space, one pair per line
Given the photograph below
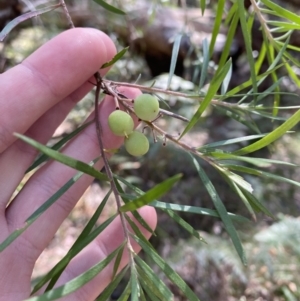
117, 262
169, 272
247, 41
135, 286
175, 51
155, 192
202, 6
267, 140
105, 295
260, 162
34, 216
152, 281
212, 90
77, 282
217, 24
196, 210
71, 162
58, 146
183, 224
126, 293
76, 248
261, 173
283, 13
256, 204
119, 55
79, 244
221, 210
230, 141
12, 24
205, 64
226, 81
136, 214
110, 7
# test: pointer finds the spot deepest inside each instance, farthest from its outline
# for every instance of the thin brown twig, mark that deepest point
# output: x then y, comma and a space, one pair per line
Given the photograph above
106, 164
170, 92
67, 14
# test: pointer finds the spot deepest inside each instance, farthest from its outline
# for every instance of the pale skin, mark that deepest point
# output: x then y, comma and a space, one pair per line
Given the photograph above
35, 97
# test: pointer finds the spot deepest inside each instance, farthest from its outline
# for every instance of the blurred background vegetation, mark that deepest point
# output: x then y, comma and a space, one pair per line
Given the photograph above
213, 270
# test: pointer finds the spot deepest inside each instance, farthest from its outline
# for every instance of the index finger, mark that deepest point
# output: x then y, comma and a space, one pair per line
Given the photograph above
47, 76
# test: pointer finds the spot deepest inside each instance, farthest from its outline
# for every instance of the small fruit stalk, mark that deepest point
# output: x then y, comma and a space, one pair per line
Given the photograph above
146, 108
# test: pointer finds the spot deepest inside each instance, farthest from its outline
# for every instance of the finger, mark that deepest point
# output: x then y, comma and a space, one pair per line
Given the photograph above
49, 75
16, 159
46, 181
110, 239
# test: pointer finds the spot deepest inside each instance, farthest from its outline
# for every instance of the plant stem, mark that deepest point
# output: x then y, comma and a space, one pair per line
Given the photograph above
67, 14
107, 167
169, 92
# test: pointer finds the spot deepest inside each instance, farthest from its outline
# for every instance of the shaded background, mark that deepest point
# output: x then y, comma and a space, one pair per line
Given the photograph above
213, 271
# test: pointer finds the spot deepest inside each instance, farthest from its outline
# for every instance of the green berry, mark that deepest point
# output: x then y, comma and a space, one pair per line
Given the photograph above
120, 123
137, 144
146, 107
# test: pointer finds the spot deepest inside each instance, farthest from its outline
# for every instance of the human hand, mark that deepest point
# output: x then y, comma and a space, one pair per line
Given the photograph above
35, 97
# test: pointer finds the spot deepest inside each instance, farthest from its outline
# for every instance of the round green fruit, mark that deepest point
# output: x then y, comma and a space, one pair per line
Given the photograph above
146, 107
120, 123
137, 144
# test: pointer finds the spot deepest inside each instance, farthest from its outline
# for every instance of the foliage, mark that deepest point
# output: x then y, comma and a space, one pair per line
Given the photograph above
232, 165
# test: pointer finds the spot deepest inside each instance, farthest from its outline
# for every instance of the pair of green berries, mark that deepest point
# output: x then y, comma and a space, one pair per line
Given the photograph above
146, 107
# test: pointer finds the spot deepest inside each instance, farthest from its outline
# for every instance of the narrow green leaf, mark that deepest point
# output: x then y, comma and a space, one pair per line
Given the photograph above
226, 81
247, 41
155, 192
205, 64
76, 164
240, 193
110, 7
136, 214
58, 146
196, 210
105, 295
284, 26
135, 286
169, 272
261, 173
217, 24
117, 262
256, 204
267, 140
202, 6
273, 64
282, 13
260, 162
149, 292
235, 178
126, 293
77, 282
212, 90
77, 246
230, 141
175, 51
229, 38
118, 56
260, 78
137, 230
34, 216
142, 295
150, 279
184, 224
12, 24
221, 210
